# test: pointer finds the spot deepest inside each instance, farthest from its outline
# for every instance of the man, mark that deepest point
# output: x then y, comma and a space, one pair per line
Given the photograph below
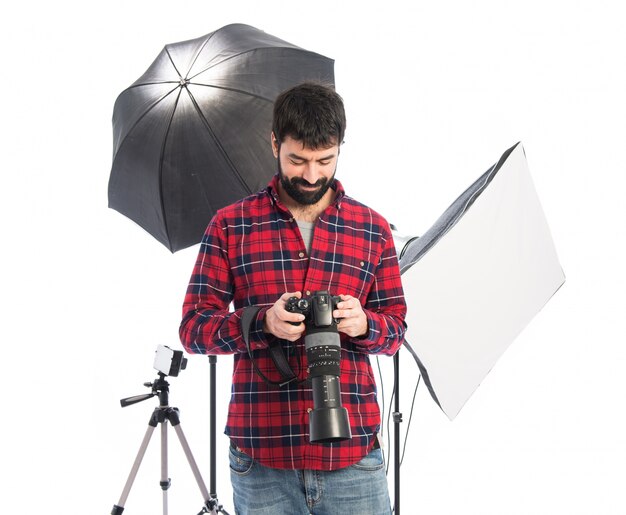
300, 235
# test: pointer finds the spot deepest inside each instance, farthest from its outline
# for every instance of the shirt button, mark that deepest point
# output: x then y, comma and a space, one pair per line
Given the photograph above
308, 293
301, 254
308, 410
362, 263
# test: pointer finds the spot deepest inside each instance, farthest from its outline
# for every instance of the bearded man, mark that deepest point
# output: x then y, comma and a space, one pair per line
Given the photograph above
300, 235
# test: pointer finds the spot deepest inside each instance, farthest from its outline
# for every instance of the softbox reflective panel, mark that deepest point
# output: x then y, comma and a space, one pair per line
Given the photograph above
476, 278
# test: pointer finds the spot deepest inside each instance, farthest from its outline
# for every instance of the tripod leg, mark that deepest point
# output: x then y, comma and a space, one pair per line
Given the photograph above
119, 507
192, 462
165, 481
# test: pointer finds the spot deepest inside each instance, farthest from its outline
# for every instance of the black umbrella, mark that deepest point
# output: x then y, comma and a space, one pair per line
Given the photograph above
191, 135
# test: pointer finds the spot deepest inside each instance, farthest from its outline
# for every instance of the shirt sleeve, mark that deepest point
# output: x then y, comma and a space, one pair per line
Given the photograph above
208, 325
385, 307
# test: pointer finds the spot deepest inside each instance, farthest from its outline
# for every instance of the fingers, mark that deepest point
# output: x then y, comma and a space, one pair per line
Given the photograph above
281, 311
347, 308
352, 318
280, 322
286, 325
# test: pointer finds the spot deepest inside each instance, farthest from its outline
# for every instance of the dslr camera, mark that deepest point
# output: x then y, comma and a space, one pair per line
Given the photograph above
317, 309
328, 421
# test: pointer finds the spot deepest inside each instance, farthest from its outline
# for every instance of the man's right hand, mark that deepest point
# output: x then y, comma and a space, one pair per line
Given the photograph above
280, 322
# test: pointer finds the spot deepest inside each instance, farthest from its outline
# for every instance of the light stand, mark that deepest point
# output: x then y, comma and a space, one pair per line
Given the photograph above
397, 420
401, 243
215, 505
161, 415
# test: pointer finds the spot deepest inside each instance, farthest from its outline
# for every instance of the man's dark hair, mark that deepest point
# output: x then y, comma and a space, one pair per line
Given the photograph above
312, 113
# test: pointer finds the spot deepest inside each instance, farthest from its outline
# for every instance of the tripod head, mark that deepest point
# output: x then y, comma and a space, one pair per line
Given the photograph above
159, 387
167, 362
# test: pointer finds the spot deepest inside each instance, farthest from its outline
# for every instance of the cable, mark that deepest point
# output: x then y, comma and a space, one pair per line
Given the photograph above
408, 426
382, 392
388, 425
393, 394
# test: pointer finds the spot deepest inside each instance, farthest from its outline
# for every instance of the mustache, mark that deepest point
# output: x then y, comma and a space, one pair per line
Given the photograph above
299, 181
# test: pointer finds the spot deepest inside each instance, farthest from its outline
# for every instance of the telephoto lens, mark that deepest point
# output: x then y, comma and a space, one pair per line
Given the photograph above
328, 421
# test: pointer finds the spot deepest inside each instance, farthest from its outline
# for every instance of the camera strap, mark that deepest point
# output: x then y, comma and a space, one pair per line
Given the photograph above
248, 317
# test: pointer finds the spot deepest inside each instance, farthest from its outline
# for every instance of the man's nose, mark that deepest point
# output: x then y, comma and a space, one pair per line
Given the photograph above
311, 173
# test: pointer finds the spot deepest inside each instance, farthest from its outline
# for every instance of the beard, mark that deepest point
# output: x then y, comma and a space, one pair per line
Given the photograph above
304, 197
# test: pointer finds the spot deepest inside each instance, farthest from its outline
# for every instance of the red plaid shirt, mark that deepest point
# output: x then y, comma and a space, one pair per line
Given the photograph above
251, 254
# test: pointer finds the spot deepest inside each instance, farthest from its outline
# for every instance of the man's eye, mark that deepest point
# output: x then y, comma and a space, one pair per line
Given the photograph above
324, 163
297, 163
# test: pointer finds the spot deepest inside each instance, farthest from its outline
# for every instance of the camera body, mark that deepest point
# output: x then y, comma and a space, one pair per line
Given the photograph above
328, 421
317, 309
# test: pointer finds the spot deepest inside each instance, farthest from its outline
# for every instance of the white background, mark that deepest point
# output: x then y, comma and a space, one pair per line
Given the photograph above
435, 93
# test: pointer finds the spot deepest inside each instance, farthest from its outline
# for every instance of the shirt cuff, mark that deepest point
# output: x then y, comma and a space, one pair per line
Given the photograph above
373, 330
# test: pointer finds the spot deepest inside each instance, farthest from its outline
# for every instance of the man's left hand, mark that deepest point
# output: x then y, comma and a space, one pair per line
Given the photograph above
352, 318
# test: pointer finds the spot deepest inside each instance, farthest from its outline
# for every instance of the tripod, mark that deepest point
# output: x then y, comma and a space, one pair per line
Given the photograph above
161, 415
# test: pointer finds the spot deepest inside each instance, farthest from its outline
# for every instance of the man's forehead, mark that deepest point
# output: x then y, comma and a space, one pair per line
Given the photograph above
300, 144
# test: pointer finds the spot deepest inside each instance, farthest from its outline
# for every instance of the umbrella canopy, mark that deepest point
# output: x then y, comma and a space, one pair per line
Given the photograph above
192, 134
476, 278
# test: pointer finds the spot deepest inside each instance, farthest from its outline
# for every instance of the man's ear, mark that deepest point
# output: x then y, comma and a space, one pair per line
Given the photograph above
275, 145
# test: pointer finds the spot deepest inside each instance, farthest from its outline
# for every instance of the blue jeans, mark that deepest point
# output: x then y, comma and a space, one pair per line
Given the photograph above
360, 489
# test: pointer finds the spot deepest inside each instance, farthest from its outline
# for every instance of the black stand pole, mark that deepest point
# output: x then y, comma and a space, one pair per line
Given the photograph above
397, 420
212, 430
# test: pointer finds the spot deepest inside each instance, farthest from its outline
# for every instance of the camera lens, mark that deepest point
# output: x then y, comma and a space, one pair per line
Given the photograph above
323, 356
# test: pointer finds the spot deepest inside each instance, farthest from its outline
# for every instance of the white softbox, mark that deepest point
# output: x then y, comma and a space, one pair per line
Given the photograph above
477, 278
